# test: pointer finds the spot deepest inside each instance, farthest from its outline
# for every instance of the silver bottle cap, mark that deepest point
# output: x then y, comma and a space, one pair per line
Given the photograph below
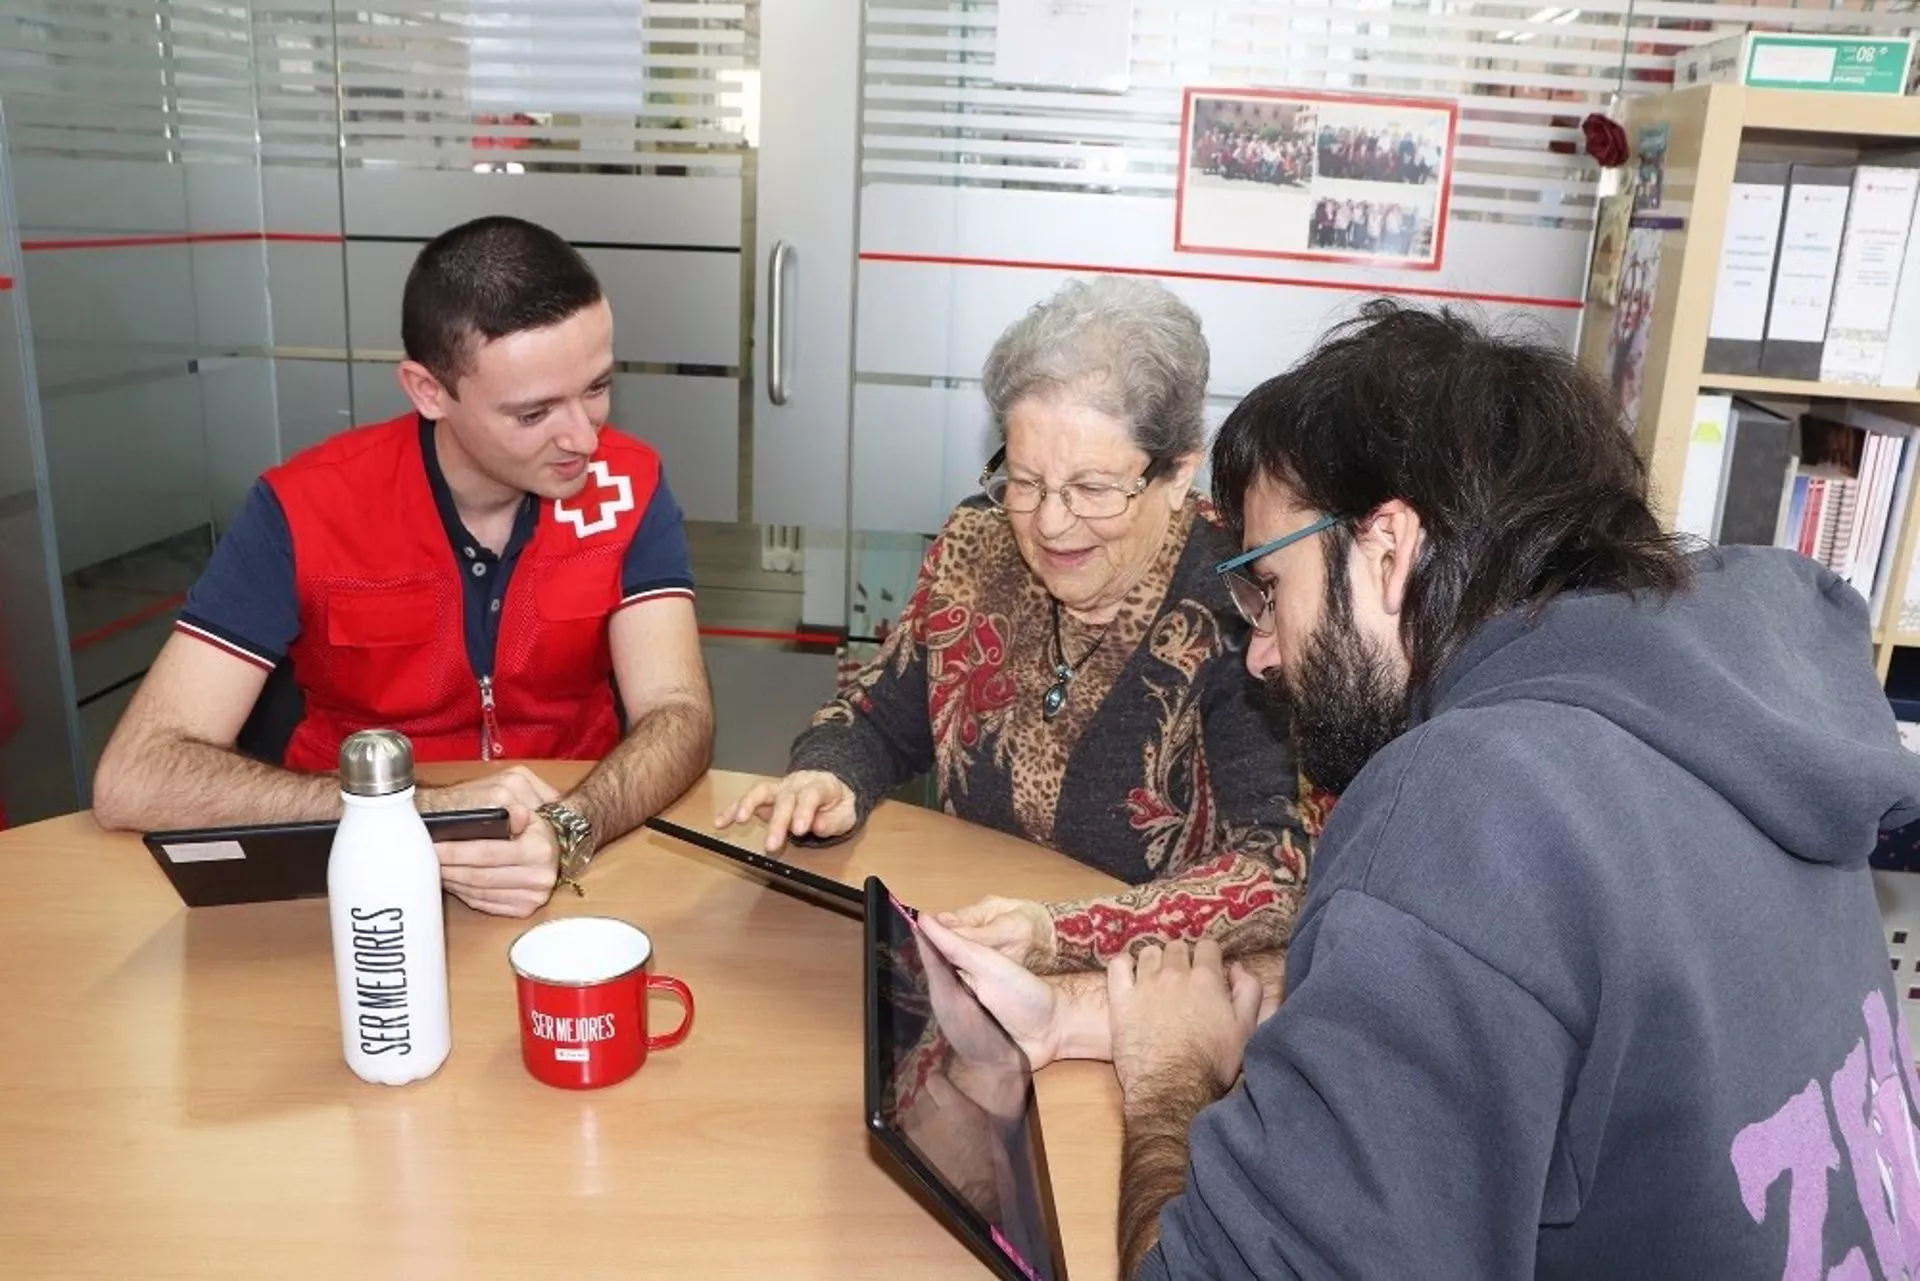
376, 762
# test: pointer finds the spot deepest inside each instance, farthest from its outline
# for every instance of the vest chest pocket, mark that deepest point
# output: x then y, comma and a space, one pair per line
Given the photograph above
387, 649
568, 646
373, 618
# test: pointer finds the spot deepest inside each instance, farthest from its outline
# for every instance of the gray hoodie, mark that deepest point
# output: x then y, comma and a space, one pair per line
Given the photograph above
1590, 981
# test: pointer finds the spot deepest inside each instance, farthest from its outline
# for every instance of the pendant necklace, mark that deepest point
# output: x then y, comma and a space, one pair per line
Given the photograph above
1064, 672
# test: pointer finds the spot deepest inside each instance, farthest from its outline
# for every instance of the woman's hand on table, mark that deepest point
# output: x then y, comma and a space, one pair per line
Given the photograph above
1049, 1019
1018, 929
805, 803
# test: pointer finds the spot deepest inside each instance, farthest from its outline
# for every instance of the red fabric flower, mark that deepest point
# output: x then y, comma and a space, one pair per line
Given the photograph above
1606, 140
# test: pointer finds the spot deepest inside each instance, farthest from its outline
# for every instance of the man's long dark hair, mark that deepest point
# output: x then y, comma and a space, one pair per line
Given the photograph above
483, 280
1514, 457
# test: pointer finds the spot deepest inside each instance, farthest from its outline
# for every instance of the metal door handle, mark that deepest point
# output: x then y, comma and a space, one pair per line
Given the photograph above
777, 389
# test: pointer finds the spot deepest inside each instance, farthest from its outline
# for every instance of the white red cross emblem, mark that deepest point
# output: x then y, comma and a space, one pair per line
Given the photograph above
608, 495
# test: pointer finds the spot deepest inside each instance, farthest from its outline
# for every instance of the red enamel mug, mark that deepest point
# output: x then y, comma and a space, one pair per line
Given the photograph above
583, 1001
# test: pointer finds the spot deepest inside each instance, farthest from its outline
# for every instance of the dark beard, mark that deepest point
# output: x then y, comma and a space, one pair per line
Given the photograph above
1345, 704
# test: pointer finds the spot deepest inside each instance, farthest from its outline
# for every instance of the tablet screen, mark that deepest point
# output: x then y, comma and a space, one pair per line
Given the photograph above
951, 1089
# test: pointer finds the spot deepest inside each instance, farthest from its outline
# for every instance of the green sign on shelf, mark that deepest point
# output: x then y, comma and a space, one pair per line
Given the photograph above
1836, 65
1766, 60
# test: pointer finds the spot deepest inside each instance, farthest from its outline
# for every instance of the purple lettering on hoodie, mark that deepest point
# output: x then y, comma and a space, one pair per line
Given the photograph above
1870, 1102
1855, 1100
1852, 1268
1797, 1142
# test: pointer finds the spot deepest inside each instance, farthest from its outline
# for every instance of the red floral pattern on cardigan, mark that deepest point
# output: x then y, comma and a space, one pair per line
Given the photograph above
1174, 800
1106, 929
968, 686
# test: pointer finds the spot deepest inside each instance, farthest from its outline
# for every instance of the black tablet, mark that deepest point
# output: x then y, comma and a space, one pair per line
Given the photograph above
950, 1097
834, 894
270, 862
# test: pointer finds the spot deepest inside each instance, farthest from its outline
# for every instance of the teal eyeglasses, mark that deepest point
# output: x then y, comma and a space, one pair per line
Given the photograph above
1253, 599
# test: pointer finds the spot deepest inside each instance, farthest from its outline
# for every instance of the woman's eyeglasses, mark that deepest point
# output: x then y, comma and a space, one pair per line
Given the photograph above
1251, 597
1086, 499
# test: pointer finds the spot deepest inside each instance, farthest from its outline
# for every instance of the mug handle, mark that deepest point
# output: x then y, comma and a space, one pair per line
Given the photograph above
662, 983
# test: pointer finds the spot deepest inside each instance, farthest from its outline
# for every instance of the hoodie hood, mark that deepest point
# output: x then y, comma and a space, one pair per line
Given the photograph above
1757, 679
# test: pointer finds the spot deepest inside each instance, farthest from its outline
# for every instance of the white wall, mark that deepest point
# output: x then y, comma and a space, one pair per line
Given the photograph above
918, 449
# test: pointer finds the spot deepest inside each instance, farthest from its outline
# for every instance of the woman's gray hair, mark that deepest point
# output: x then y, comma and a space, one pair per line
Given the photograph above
1120, 345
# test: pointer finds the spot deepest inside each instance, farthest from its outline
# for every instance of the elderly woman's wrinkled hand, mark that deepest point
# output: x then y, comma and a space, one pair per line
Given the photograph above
804, 803
1018, 929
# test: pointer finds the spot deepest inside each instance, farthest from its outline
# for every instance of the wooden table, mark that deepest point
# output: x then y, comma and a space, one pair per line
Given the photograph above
173, 1100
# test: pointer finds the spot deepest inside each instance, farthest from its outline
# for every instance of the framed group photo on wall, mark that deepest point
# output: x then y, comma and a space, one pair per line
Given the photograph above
1281, 173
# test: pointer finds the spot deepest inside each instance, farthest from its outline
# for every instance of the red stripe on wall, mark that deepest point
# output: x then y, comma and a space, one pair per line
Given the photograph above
107, 631
184, 238
931, 260
1349, 286
796, 638
6, 283
147, 613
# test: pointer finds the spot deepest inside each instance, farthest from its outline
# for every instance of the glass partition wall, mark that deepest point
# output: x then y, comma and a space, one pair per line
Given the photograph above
215, 203
39, 762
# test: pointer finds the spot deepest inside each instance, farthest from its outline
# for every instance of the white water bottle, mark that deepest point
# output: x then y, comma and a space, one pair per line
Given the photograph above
389, 921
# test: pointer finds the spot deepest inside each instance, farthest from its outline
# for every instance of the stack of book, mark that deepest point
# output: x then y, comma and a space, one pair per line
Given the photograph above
1819, 274
1829, 483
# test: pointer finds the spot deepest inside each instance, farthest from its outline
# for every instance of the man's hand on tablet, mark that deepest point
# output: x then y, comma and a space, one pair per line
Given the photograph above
1049, 1018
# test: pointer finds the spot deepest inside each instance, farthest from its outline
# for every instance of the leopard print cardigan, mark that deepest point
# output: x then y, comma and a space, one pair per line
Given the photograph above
1166, 767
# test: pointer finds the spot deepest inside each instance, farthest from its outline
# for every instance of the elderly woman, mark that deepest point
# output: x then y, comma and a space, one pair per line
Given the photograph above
1069, 666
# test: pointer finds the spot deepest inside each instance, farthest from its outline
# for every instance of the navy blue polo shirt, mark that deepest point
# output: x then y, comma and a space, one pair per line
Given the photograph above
247, 602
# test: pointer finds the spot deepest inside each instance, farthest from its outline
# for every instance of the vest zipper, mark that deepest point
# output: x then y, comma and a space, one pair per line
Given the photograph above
490, 745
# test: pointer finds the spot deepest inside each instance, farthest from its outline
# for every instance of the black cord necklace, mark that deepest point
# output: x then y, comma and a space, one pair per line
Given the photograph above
1056, 695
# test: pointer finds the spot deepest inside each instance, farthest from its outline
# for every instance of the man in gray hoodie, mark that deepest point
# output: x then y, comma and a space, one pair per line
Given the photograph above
1590, 981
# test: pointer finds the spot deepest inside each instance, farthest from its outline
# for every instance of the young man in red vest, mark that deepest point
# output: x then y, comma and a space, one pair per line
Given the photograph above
498, 575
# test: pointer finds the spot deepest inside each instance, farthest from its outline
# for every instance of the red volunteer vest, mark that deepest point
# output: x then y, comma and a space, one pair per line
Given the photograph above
380, 585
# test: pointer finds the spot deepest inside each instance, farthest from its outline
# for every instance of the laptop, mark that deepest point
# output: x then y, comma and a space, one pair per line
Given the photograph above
273, 862
950, 1096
